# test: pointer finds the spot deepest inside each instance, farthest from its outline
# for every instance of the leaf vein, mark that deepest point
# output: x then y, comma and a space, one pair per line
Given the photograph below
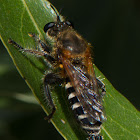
107, 133
121, 126
30, 14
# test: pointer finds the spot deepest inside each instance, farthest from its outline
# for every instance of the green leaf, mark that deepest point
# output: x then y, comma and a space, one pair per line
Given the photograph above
123, 119
18, 18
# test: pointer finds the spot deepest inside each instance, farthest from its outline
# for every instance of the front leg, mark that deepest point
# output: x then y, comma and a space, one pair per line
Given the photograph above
50, 79
43, 45
44, 53
101, 86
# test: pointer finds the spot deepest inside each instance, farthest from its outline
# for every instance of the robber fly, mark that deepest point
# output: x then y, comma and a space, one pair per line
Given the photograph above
71, 54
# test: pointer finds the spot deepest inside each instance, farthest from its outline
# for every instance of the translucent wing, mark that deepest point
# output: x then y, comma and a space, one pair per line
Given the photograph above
86, 88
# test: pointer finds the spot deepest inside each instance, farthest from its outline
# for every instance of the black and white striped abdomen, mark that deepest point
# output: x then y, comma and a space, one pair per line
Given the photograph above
88, 123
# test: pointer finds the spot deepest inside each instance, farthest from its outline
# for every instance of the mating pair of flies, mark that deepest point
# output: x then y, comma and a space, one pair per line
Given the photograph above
71, 57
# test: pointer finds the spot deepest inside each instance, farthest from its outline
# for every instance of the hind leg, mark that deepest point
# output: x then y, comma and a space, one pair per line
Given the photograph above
50, 79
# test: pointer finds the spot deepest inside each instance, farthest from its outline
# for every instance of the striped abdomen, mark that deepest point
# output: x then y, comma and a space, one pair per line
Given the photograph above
88, 123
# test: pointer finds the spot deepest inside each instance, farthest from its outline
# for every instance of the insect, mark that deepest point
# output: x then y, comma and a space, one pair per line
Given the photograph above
71, 57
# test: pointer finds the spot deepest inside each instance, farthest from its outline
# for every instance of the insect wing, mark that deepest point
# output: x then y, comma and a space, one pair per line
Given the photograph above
85, 89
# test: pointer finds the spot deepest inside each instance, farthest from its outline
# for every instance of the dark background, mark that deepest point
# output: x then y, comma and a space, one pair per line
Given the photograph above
113, 28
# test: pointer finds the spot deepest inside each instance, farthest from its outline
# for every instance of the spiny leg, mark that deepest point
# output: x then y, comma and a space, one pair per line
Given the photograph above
48, 57
95, 138
12, 42
50, 79
101, 86
41, 43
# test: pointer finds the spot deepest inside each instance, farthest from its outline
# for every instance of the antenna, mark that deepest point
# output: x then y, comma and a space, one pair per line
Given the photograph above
58, 17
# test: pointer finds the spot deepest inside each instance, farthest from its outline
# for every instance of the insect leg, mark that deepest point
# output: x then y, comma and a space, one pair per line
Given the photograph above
98, 137
50, 79
48, 57
101, 86
95, 137
41, 43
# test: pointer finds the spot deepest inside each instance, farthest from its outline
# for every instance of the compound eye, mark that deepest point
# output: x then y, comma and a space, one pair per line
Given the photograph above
69, 23
48, 26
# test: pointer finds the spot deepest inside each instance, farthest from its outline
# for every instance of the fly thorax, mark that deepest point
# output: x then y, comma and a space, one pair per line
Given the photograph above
72, 42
